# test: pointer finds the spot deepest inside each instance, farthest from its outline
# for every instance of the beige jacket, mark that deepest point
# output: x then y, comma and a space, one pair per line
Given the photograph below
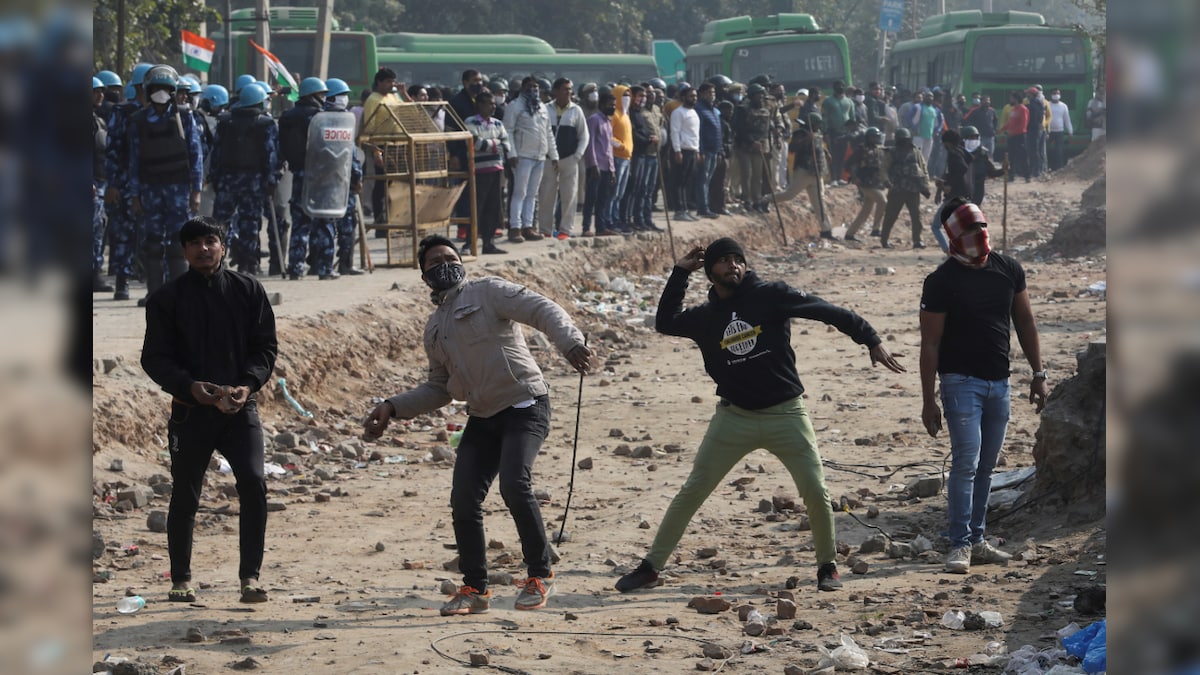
477, 352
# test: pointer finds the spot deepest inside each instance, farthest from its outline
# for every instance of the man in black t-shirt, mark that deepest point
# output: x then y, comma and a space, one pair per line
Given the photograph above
966, 306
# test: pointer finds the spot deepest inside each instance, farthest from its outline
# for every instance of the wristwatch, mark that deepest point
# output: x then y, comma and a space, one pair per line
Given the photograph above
1040, 374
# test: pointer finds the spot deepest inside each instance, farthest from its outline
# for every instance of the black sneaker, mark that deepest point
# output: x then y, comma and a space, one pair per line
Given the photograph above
643, 577
827, 234
827, 577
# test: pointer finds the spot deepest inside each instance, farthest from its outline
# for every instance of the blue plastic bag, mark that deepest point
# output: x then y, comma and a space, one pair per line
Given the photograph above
1090, 646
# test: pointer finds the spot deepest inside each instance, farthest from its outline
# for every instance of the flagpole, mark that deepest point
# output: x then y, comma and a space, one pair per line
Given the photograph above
262, 33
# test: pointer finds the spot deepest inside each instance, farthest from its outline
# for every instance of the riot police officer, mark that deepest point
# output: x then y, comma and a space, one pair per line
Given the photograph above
337, 99
122, 226
99, 137
293, 141
166, 168
244, 171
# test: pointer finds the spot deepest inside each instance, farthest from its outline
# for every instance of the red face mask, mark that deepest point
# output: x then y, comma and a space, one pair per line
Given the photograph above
966, 230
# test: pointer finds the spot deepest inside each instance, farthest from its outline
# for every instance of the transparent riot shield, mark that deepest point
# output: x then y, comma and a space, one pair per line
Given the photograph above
327, 164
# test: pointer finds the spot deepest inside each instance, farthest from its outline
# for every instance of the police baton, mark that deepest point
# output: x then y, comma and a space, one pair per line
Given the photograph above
767, 179
280, 245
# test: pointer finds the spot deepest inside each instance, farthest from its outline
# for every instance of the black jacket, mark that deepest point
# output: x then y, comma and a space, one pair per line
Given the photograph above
746, 340
957, 179
219, 330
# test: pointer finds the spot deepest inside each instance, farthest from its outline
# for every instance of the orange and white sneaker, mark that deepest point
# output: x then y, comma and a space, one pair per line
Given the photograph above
467, 600
534, 592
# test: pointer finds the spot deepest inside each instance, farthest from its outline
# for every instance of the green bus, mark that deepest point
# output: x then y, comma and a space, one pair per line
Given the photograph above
791, 48
463, 44
352, 54
996, 53
445, 69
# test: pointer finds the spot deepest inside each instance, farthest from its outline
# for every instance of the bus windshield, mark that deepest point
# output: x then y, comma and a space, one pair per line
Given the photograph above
347, 59
795, 64
1021, 57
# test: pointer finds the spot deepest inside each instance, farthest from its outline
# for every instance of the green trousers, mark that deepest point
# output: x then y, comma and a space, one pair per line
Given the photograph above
785, 431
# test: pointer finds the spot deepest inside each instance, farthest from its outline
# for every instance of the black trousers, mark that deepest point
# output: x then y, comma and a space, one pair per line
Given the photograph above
897, 200
504, 444
193, 433
488, 202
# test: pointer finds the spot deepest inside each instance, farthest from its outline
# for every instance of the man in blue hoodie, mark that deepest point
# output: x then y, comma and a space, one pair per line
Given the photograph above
744, 335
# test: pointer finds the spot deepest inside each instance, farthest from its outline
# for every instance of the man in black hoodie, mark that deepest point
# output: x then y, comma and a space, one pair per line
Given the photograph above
744, 335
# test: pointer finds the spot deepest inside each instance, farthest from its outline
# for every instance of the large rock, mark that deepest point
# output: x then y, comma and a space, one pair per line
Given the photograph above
1070, 447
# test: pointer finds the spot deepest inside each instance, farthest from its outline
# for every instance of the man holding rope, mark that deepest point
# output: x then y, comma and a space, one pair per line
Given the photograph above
744, 335
477, 353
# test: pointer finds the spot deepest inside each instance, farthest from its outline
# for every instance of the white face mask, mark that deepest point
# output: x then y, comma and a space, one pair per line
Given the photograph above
593, 96
1055, 97
860, 98
161, 97
625, 103
972, 144
341, 100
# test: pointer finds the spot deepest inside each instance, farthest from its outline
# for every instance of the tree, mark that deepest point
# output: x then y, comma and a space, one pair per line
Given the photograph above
151, 31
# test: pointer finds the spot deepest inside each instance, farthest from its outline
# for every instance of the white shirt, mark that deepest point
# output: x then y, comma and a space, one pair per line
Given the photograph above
685, 129
1060, 117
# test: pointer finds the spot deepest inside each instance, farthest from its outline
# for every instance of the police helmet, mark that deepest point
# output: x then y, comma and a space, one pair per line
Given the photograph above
109, 78
586, 87
96, 83
336, 87
969, 132
720, 81
498, 85
139, 73
266, 87
251, 96
873, 134
242, 81
191, 86
756, 89
130, 92
160, 76
604, 90
312, 85
903, 133
764, 80
544, 84
658, 83
216, 96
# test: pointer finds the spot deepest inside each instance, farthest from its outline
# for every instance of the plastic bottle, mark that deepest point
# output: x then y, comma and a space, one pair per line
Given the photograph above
455, 438
131, 604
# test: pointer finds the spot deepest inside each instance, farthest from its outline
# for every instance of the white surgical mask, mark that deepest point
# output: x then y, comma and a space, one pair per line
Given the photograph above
161, 97
971, 144
860, 98
737, 98
593, 96
341, 100
1055, 97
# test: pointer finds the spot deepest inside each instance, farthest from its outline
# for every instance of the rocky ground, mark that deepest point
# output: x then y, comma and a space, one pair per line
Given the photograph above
359, 538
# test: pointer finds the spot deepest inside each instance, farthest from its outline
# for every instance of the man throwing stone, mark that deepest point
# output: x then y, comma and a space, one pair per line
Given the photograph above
744, 335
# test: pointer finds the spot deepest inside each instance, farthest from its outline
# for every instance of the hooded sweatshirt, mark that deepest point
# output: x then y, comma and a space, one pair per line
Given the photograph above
746, 339
621, 125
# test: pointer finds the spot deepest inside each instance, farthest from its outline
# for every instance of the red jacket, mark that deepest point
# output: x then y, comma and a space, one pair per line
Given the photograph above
1018, 120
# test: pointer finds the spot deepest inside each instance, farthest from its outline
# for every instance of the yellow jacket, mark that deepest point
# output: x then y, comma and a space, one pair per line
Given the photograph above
622, 127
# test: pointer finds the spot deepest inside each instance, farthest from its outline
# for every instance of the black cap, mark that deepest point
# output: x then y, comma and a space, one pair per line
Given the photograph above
428, 243
719, 249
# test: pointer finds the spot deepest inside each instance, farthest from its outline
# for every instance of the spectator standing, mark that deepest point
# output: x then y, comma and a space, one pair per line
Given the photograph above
528, 124
1060, 130
599, 167
711, 146
837, 110
492, 150
982, 116
560, 182
685, 144
1015, 129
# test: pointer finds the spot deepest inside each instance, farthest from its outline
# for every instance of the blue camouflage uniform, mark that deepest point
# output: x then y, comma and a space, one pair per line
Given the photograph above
122, 226
99, 185
244, 169
166, 164
293, 141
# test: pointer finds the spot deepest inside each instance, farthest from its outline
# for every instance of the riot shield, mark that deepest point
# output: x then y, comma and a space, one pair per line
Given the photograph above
327, 164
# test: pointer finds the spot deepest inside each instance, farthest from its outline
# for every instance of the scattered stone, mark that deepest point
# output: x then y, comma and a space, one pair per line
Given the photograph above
716, 651
323, 473
286, 440
865, 442
884, 271
706, 552
615, 433
785, 609
451, 565
697, 399
706, 665
194, 635
709, 604
442, 453
783, 503
765, 506
874, 544
305, 599
570, 616
137, 495
860, 567
448, 587
941, 595
495, 544
585, 463
321, 497
117, 465
926, 485
479, 659
622, 450
500, 579
743, 612
1091, 600
276, 505
379, 547
157, 521
801, 624
642, 452
872, 512
541, 494
793, 670
247, 663
899, 549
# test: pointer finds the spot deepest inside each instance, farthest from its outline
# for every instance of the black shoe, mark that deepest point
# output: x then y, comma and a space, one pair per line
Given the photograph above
329, 277
826, 234
643, 577
884, 244
918, 245
350, 271
292, 276
852, 238
652, 228
827, 577
493, 250
723, 212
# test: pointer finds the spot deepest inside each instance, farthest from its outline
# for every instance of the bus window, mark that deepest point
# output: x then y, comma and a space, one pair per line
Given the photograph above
347, 55
795, 63
1019, 57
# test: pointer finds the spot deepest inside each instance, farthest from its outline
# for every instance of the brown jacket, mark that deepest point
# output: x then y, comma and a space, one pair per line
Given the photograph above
477, 352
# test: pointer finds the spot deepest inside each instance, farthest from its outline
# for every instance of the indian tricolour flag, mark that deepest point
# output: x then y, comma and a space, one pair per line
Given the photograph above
197, 51
278, 70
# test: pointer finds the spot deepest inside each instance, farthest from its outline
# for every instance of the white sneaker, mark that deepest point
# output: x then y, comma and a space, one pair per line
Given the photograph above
958, 561
983, 553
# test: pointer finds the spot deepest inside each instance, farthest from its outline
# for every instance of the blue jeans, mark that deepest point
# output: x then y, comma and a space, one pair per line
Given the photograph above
976, 414
702, 179
504, 445
645, 179
527, 178
621, 168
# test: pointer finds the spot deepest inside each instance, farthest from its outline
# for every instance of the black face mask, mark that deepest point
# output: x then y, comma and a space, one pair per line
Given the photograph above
475, 89
445, 276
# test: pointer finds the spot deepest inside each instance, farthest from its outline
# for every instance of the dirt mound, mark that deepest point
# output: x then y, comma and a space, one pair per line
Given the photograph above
1089, 164
1095, 195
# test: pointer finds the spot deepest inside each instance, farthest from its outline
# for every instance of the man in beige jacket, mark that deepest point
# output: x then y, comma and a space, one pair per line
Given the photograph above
477, 353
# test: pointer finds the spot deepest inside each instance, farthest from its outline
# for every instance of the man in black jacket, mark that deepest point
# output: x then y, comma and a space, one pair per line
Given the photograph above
744, 335
210, 343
